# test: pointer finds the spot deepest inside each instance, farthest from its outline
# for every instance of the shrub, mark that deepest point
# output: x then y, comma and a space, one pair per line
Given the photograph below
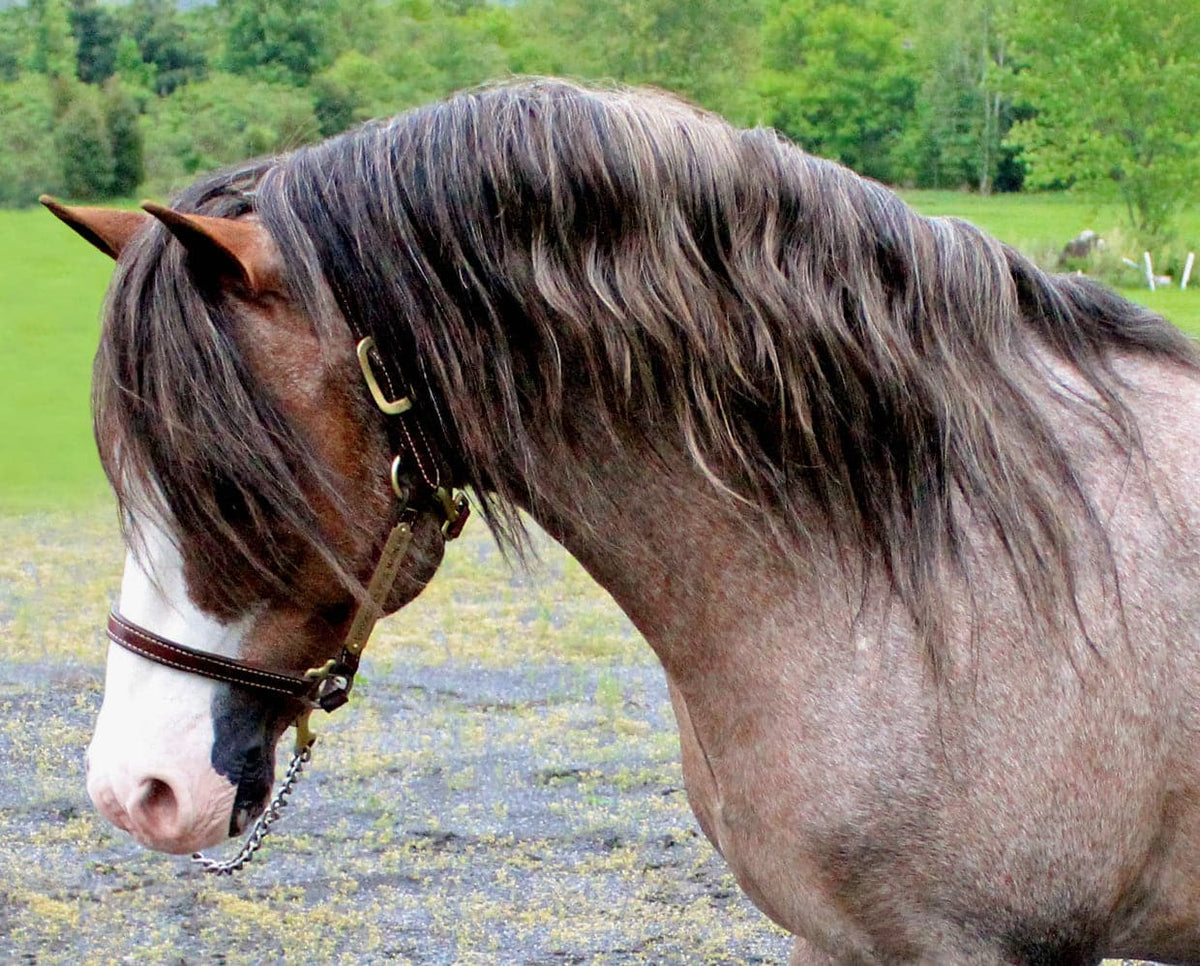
354, 89
219, 121
83, 146
27, 155
125, 138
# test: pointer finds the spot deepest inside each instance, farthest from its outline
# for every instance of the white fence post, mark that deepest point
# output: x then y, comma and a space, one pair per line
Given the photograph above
1149, 271
1187, 271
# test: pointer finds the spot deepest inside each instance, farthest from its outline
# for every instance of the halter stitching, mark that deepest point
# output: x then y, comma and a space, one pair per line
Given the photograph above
157, 659
231, 666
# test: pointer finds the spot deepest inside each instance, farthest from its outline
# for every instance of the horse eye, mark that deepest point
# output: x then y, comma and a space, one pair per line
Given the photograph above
335, 614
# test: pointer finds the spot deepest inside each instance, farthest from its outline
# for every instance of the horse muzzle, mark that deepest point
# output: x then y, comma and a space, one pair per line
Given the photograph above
178, 761
168, 809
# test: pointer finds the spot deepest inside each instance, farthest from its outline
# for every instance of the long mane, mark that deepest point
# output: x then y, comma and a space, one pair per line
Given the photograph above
807, 338
186, 435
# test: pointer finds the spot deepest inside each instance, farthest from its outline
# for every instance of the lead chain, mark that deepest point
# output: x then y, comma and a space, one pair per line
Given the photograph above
269, 816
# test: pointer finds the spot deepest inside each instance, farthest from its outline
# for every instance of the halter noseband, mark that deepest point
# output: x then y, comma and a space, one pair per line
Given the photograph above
161, 650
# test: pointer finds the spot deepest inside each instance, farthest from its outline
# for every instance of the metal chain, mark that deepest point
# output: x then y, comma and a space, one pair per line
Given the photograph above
268, 818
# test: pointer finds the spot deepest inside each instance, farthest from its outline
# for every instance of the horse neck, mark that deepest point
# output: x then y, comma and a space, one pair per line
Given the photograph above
693, 569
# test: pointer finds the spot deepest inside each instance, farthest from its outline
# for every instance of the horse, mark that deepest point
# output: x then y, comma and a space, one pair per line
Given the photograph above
911, 525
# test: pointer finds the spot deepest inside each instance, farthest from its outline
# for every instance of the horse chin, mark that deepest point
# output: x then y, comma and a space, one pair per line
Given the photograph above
245, 736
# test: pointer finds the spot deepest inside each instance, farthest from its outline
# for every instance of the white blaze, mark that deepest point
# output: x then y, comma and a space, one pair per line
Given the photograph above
149, 763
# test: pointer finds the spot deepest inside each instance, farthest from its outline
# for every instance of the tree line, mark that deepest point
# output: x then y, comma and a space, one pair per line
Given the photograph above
97, 100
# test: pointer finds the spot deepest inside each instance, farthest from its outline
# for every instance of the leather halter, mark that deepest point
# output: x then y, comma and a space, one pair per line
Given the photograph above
328, 687
161, 650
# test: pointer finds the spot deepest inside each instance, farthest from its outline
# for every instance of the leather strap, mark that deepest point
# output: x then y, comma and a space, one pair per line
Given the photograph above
149, 645
326, 687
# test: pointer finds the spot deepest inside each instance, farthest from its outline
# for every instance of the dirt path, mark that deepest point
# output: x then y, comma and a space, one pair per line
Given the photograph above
504, 788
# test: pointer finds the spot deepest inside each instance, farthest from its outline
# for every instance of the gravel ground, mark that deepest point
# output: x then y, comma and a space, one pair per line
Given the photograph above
504, 788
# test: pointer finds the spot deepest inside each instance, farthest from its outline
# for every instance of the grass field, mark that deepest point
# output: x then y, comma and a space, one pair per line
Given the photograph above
52, 285
50, 288
1033, 221
1040, 224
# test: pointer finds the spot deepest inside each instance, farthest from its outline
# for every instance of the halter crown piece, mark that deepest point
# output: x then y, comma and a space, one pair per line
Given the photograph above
326, 687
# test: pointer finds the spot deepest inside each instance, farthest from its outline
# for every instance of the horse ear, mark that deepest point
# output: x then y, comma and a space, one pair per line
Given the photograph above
237, 250
109, 229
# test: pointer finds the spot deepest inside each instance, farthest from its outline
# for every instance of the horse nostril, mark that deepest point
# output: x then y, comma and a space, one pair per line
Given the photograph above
158, 804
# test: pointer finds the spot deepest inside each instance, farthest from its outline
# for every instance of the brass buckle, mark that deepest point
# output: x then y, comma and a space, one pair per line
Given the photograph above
455, 509
393, 407
333, 681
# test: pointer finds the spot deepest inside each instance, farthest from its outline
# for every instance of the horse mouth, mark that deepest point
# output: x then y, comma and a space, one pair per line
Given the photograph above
241, 818
253, 791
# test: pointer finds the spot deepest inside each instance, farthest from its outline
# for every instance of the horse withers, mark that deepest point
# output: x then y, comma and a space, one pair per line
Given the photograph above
913, 527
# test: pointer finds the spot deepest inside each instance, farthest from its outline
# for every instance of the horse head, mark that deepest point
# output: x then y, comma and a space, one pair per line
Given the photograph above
181, 760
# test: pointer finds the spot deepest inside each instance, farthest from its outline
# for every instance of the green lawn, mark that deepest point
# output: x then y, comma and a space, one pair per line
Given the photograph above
1182, 308
50, 289
1040, 224
1035, 220
52, 286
